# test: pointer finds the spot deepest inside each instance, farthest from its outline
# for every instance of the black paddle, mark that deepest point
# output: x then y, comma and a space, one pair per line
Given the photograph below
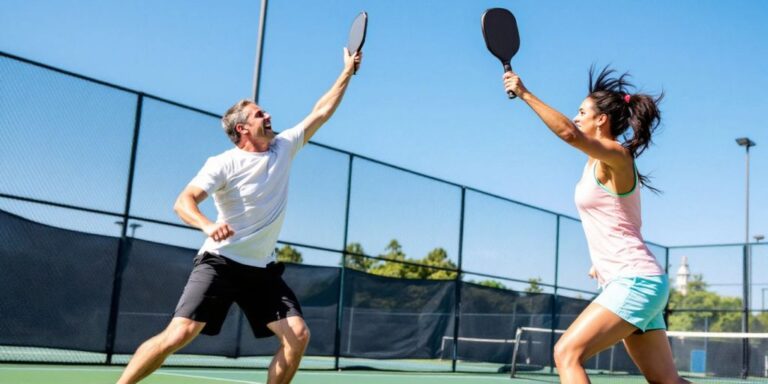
501, 36
357, 34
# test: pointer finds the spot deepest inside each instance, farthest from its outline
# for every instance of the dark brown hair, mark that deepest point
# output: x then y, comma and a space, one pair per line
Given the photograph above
612, 96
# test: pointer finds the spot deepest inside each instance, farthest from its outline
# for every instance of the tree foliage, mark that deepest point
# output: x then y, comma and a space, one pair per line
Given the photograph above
699, 297
392, 263
288, 254
490, 283
533, 285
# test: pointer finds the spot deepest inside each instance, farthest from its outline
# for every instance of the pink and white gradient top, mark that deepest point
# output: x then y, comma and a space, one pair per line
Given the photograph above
612, 226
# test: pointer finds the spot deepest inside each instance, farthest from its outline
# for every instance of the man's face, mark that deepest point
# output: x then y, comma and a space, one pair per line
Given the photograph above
258, 124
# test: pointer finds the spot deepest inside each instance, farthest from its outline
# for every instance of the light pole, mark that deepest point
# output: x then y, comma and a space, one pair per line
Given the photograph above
132, 226
259, 52
746, 143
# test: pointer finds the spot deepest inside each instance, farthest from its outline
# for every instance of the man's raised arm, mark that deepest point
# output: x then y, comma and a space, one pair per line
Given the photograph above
326, 106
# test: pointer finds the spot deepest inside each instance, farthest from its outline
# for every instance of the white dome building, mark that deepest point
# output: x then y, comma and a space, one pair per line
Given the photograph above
683, 276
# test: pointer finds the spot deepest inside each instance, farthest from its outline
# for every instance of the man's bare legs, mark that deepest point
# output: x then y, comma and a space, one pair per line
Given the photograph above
293, 335
153, 352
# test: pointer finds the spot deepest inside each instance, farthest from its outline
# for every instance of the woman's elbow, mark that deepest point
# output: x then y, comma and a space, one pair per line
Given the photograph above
570, 136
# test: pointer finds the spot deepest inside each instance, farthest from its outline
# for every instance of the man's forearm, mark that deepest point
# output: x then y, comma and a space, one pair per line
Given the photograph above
328, 103
186, 208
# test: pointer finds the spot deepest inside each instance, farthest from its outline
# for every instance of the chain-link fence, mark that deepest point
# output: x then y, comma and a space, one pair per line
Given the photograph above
394, 263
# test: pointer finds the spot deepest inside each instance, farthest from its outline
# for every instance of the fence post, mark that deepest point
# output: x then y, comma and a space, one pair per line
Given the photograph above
666, 272
553, 313
745, 314
457, 290
342, 275
124, 244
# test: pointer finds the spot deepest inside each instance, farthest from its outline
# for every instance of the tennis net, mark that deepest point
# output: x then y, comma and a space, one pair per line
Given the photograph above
696, 354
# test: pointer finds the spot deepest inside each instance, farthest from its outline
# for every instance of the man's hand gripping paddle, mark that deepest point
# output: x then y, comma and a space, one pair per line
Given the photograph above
357, 34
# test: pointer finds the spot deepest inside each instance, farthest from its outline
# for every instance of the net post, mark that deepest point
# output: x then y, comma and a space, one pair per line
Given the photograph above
518, 336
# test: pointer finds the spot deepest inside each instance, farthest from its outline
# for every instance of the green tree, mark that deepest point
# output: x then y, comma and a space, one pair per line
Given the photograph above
490, 283
289, 254
759, 323
393, 261
355, 260
438, 257
390, 266
533, 285
700, 297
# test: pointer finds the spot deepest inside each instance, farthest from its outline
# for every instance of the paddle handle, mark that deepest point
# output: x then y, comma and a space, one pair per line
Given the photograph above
508, 68
354, 66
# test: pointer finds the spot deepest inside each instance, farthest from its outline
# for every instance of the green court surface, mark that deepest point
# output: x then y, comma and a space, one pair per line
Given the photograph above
52, 374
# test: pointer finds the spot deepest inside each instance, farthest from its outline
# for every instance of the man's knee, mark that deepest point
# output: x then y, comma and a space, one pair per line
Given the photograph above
180, 332
301, 334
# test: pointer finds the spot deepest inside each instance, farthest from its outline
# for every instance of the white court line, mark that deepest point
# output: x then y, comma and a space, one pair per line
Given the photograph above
62, 369
408, 374
458, 375
118, 369
206, 377
171, 372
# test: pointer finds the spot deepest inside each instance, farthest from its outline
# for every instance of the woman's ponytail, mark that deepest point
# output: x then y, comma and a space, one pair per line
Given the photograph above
611, 96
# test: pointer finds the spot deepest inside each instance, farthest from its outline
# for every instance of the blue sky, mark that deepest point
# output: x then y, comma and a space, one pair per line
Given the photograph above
429, 96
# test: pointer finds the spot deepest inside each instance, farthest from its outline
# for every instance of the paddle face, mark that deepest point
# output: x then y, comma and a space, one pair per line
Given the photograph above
501, 36
357, 33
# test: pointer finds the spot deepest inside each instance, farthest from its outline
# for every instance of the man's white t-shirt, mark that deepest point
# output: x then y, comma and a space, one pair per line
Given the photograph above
250, 191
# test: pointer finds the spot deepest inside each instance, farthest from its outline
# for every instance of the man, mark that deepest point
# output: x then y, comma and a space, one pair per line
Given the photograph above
249, 184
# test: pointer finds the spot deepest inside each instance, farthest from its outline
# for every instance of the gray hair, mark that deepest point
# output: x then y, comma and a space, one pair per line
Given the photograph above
235, 115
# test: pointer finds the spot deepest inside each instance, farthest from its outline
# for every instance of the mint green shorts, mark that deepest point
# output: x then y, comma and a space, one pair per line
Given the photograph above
639, 300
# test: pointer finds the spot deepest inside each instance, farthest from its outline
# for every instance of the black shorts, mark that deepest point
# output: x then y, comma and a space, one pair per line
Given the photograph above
216, 282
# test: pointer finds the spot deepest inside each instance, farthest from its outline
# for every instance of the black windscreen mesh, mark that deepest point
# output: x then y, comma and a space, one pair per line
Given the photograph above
56, 285
152, 282
489, 318
57, 288
388, 318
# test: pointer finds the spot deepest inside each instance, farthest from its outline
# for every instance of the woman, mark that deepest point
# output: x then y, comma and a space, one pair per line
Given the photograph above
635, 287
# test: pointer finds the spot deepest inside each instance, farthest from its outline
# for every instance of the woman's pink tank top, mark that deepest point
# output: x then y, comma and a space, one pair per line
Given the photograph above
612, 226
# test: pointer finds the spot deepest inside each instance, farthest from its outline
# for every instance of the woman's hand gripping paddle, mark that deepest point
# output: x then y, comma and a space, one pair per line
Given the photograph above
501, 36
